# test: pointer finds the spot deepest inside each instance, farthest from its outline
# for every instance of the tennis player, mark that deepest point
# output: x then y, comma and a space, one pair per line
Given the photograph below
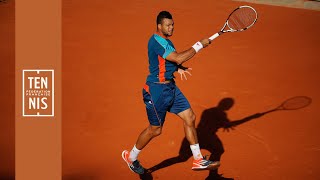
161, 95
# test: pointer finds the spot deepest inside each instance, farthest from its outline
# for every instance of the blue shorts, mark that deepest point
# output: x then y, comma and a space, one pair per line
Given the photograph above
162, 98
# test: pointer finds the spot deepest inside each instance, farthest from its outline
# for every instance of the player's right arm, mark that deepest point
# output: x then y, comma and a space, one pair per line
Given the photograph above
184, 56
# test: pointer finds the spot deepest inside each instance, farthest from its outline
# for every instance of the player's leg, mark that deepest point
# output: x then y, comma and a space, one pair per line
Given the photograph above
144, 138
199, 163
146, 135
156, 107
189, 119
182, 108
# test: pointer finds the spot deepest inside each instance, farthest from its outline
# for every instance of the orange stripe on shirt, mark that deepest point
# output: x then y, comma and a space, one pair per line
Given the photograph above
162, 69
146, 87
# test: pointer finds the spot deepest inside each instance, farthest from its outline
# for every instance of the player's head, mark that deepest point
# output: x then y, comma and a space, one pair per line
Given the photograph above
165, 23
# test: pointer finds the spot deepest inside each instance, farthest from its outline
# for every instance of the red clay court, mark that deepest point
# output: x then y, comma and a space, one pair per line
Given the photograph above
104, 67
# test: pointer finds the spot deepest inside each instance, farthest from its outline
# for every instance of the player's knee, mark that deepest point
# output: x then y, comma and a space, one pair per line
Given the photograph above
155, 131
193, 117
191, 120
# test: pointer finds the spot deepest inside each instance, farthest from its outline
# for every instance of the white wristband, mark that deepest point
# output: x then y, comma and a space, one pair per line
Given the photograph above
197, 46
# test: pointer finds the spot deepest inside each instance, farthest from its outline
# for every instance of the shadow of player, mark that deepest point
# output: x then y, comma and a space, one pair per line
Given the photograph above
211, 120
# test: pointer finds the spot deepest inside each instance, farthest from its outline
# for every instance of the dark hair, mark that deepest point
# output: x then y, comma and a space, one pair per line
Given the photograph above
163, 15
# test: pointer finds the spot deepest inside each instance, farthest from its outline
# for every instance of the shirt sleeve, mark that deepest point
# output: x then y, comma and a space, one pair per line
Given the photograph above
162, 47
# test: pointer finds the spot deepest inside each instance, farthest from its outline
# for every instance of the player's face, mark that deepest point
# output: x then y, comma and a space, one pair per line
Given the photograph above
166, 27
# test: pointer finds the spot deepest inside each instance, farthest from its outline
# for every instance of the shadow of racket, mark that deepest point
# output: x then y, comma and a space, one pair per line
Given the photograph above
294, 103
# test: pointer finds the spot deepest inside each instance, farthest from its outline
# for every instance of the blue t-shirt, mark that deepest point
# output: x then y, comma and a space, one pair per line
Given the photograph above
160, 69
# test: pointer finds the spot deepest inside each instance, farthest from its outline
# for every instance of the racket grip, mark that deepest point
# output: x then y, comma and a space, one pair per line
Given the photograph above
214, 36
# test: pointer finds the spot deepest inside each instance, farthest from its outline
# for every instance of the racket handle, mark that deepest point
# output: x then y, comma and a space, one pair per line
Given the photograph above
214, 36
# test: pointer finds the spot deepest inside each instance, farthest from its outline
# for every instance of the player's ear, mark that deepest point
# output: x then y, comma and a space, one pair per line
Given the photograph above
159, 26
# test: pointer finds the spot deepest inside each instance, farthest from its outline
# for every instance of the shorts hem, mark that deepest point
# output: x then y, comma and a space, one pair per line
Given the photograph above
177, 112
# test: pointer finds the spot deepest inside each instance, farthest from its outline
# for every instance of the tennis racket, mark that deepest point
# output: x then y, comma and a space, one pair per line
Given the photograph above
240, 19
294, 103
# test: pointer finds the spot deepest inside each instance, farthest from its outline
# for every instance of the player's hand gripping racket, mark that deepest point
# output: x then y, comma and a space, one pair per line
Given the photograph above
294, 103
240, 19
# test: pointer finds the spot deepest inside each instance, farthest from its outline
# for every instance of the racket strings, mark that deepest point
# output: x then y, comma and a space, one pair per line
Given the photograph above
242, 18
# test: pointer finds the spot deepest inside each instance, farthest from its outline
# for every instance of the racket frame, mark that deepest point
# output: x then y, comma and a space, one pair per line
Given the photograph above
234, 30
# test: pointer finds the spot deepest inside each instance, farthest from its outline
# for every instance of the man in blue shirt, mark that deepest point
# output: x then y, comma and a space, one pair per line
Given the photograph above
161, 95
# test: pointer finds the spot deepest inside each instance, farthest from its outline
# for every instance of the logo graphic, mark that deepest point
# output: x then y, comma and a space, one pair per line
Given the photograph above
38, 93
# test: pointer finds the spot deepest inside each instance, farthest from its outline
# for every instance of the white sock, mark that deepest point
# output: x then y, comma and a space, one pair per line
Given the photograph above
195, 148
134, 153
